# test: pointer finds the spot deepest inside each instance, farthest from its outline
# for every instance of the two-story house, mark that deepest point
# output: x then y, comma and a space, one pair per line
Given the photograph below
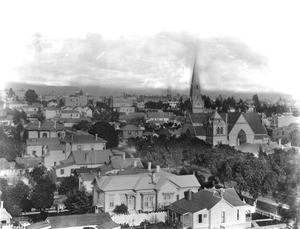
46, 129
141, 192
83, 141
78, 159
131, 131
211, 208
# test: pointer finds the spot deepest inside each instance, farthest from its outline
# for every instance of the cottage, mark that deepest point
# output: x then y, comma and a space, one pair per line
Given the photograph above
141, 192
78, 159
131, 131
211, 209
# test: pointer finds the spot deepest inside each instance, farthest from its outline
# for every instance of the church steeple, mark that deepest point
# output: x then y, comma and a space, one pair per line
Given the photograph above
195, 91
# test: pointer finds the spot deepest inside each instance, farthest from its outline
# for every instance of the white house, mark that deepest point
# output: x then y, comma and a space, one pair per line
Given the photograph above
211, 208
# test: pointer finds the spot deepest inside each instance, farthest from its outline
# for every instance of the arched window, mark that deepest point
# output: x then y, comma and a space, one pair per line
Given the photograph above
221, 130
241, 137
44, 135
218, 130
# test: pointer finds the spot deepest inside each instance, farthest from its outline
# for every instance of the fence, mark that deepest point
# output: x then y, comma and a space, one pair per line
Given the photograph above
137, 219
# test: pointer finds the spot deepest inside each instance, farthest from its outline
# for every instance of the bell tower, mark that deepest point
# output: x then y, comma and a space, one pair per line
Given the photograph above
195, 92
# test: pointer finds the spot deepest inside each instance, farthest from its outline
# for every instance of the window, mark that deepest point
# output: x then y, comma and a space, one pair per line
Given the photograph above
223, 217
168, 197
204, 216
111, 201
129, 132
200, 218
44, 135
62, 171
221, 130
34, 152
148, 201
218, 130
220, 142
238, 214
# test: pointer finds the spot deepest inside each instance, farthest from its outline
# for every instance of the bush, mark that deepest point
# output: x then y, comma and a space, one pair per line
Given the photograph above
121, 209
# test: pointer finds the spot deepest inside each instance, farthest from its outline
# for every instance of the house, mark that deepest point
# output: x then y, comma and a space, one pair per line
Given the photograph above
126, 110
39, 225
212, 208
141, 192
82, 141
16, 105
5, 216
130, 131
283, 132
51, 113
159, 117
36, 147
46, 129
92, 221
129, 117
53, 154
78, 159
69, 122
85, 111
69, 114
76, 100
284, 120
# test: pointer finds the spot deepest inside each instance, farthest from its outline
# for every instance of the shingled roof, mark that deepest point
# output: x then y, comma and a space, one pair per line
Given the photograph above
102, 220
206, 199
82, 138
48, 126
255, 123
144, 181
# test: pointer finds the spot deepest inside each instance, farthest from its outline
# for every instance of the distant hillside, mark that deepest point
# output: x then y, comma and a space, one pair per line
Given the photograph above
102, 91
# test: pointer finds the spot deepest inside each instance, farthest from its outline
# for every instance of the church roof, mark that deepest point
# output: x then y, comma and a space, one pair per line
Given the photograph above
255, 123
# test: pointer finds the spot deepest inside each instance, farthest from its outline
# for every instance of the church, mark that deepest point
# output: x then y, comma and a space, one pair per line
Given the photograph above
234, 129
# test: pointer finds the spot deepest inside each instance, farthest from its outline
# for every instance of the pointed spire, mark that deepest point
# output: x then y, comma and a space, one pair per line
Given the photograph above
195, 91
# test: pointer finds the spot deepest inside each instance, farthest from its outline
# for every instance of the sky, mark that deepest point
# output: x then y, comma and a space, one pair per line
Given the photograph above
249, 46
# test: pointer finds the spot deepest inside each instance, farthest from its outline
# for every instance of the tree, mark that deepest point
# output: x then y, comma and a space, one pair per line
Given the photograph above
78, 202
11, 93
82, 125
19, 117
68, 184
40, 115
256, 103
15, 198
107, 132
31, 96
121, 209
42, 195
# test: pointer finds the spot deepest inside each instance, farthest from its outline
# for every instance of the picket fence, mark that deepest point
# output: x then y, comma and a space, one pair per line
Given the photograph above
137, 219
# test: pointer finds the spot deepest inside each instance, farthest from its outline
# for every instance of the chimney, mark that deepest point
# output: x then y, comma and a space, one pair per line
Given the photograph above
39, 125
221, 190
279, 142
124, 155
135, 164
96, 137
188, 195
98, 174
153, 177
157, 168
149, 166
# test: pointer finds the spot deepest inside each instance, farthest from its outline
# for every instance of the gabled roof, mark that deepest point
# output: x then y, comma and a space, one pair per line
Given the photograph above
39, 225
130, 128
143, 181
255, 123
200, 117
49, 126
159, 114
69, 111
89, 157
206, 199
102, 219
231, 119
42, 141
82, 138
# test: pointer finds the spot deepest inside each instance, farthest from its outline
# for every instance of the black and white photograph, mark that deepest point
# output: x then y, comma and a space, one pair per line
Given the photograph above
139, 114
